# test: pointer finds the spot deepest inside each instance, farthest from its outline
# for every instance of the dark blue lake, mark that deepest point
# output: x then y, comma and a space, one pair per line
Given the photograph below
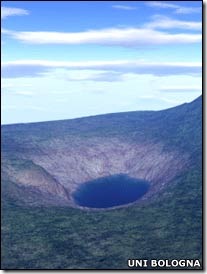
110, 191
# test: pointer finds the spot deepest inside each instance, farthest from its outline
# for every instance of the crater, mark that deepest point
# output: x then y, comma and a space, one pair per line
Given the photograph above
110, 191
74, 171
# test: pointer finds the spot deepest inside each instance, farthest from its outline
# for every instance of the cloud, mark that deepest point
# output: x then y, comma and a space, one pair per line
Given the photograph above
125, 37
177, 9
124, 7
164, 22
34, 68
163, 5
107, 77
187, 10
111, 76
24, 93
5, 31
16, 71
6, 12
181, 89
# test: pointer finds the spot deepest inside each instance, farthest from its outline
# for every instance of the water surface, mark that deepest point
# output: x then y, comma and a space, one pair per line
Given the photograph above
110, 191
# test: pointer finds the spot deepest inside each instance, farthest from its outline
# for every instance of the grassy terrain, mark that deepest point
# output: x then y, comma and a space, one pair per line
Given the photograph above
58, 238
166, 227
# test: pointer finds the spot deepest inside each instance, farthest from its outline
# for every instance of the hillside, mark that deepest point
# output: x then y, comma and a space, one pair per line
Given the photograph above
43, 163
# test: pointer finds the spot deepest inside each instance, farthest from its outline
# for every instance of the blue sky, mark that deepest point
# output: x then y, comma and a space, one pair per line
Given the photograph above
63, 60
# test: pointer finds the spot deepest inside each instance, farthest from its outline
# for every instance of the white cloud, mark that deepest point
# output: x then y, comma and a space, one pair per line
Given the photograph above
177, 9
34, 68
23, 70
5, 31
124, 7
163, 4
187, 10
96, 98
164, 22
181, 89
105, 76
6, 11
24, 93
125, 37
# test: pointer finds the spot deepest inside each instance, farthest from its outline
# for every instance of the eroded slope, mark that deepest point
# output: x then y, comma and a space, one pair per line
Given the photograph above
54, 158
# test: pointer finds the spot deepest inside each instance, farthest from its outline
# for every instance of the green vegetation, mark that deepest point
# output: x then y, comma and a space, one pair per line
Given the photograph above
58, 238
169, 226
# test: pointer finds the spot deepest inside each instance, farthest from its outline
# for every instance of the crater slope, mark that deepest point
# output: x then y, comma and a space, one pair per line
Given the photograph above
44, 163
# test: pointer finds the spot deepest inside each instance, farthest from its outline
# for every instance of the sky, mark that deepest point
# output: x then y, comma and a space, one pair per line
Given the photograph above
69, 59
